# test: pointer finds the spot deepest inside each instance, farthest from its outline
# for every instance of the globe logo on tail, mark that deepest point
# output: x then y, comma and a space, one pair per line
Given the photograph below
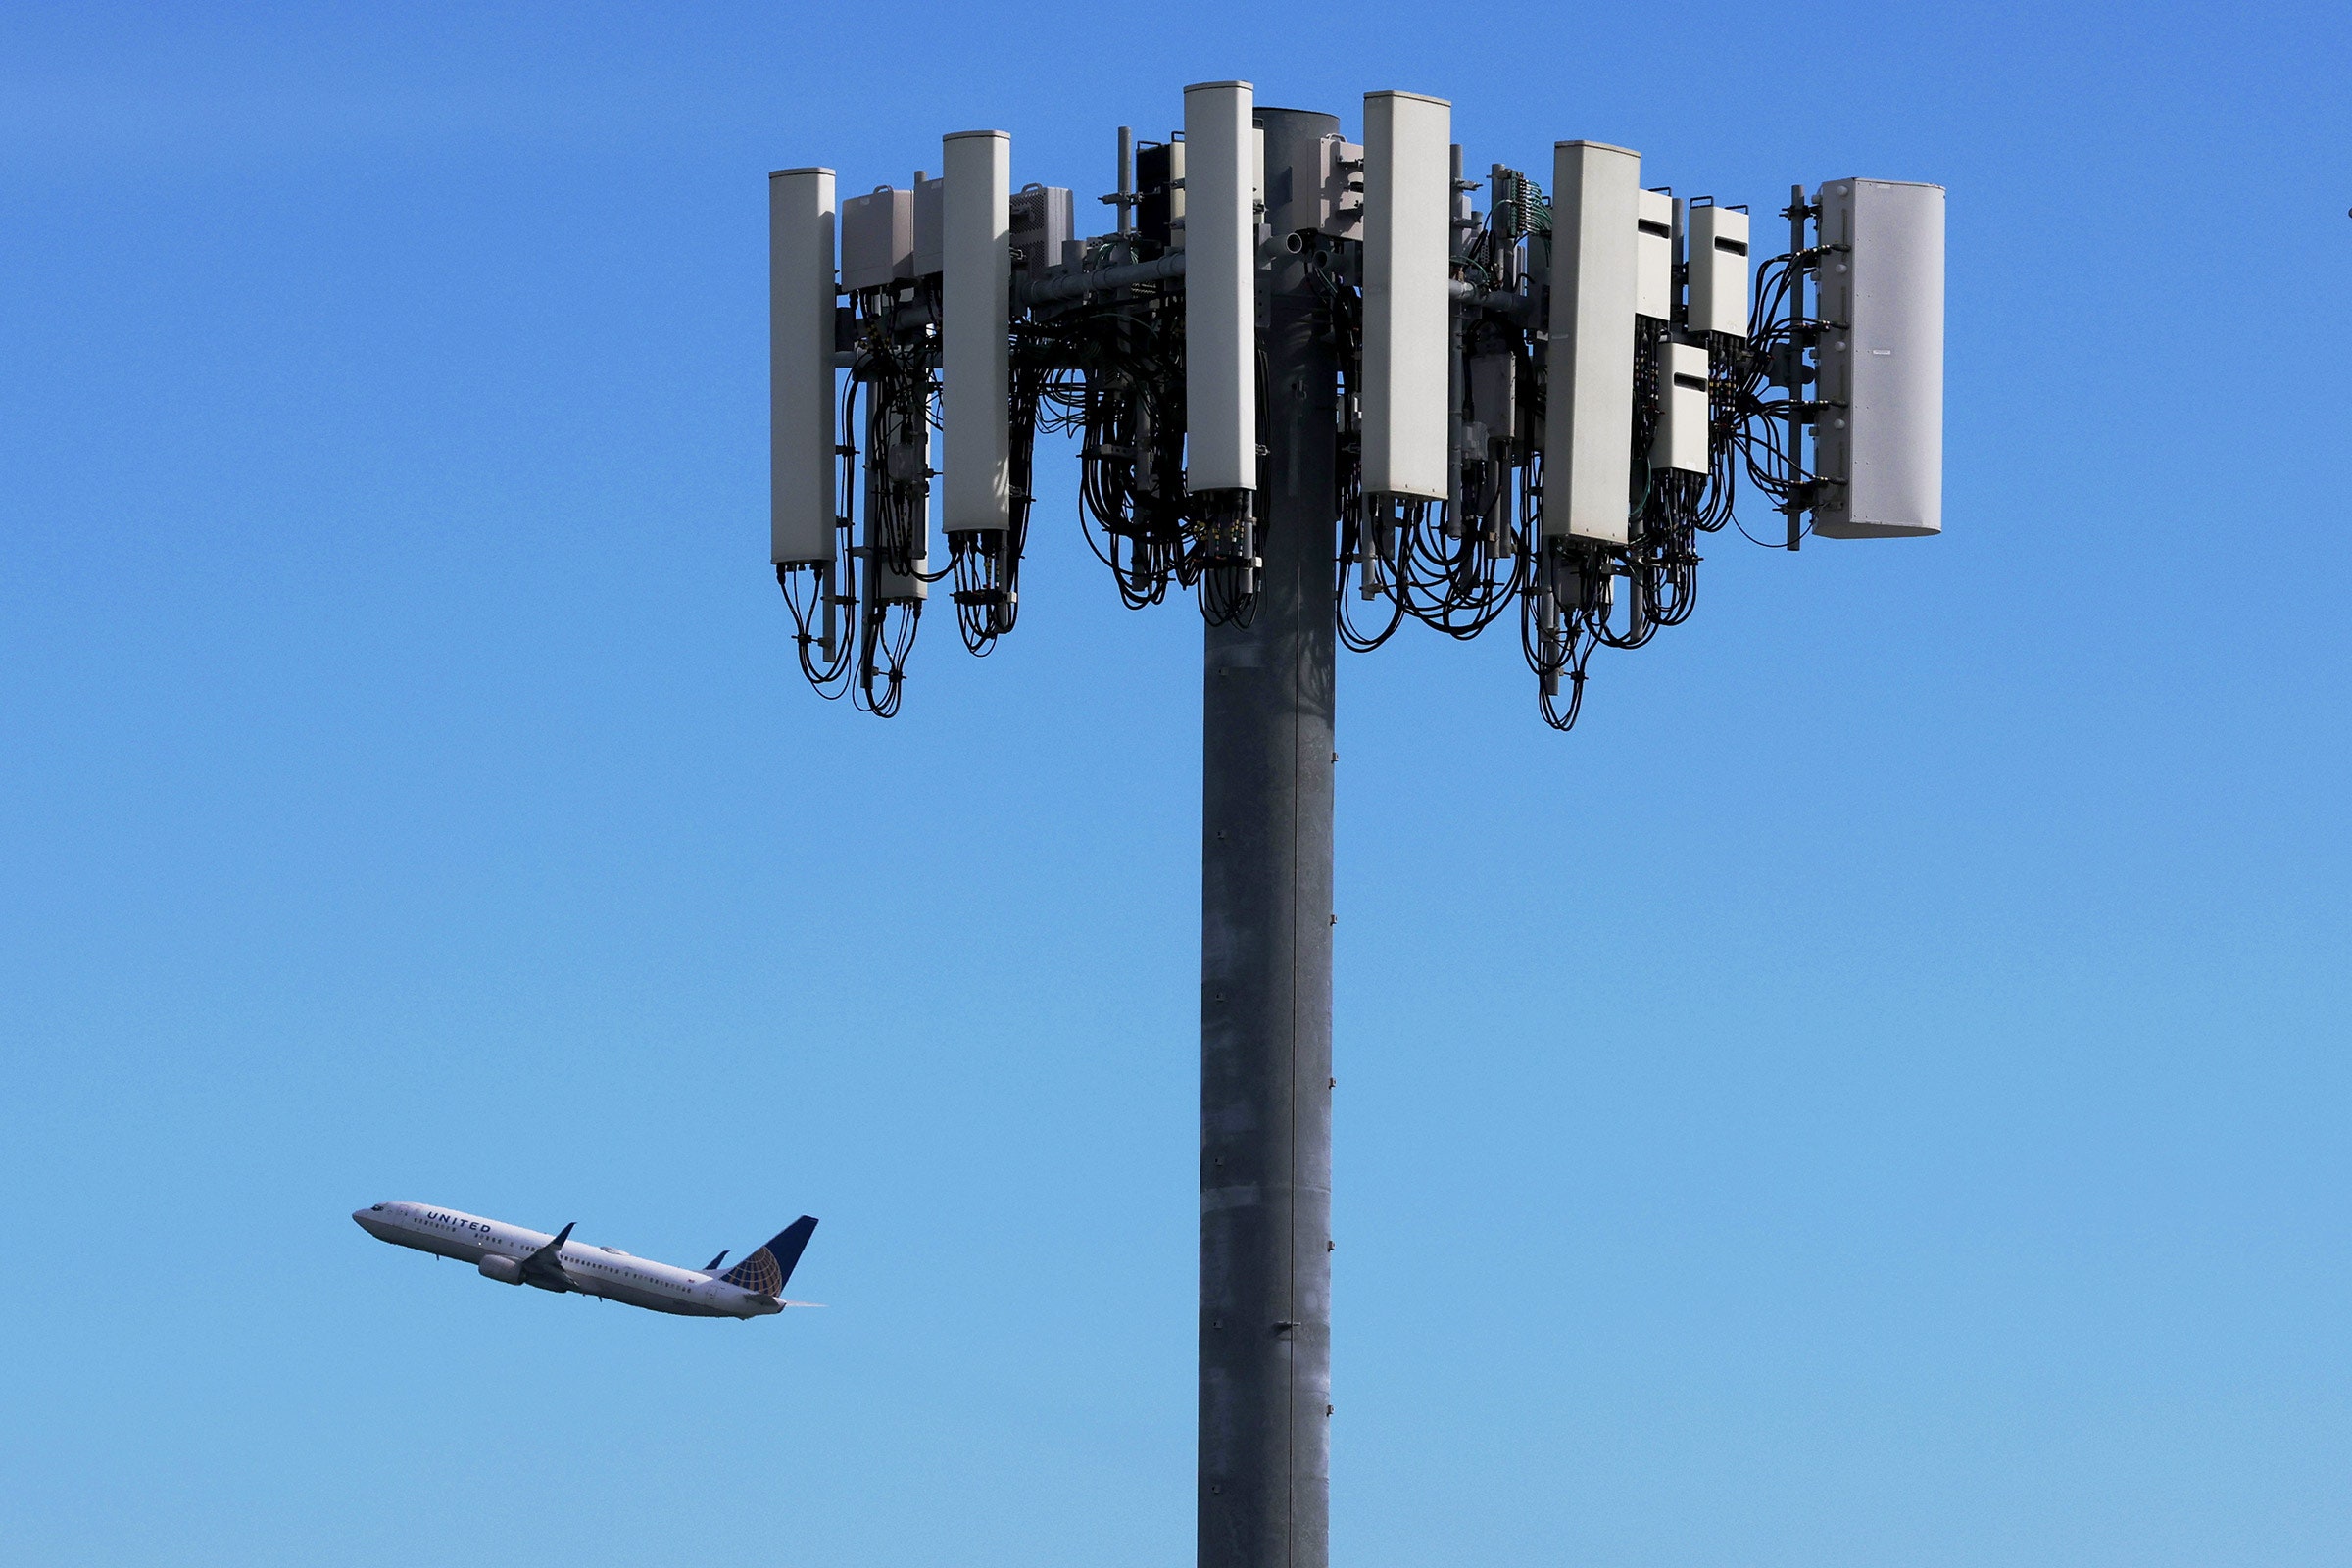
766, 1270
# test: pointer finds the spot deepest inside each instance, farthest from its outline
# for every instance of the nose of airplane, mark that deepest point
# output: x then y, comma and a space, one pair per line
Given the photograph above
368, 1221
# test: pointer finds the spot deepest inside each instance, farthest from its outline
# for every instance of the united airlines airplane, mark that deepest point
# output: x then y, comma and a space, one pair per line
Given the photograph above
512, 1255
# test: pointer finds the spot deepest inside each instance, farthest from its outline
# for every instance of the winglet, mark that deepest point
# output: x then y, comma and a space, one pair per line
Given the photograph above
712, 1267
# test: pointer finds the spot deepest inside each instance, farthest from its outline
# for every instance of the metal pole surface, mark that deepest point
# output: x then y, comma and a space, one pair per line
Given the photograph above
1266, 951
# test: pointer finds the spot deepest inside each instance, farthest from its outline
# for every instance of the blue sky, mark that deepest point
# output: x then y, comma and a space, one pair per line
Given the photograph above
1876, 1093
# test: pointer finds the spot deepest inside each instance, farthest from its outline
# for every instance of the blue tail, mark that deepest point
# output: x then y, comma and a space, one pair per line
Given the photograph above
767, 1269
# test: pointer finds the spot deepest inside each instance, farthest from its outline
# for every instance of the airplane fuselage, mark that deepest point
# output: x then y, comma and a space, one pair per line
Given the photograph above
499, 1250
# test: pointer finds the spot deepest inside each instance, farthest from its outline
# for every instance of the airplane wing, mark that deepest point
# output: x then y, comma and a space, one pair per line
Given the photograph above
545, 1267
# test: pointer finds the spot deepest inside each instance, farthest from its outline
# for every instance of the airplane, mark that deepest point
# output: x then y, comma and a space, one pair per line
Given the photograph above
512, 1255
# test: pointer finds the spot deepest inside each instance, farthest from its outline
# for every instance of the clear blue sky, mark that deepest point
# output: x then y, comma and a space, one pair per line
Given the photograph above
1877, 1094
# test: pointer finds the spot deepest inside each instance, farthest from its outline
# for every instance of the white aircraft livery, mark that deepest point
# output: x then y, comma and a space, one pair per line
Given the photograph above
512, 1255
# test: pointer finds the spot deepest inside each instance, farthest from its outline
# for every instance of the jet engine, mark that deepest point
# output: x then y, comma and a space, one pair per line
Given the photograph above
505, 1271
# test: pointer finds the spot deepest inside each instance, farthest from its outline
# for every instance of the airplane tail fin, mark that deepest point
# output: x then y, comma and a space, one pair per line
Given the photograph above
766, 1269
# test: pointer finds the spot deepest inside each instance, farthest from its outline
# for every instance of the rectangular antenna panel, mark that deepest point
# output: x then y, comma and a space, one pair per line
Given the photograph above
1494, 394
1879, 439
1220, 296
877, 239
1408, 195
1718, 242
929, 216
799, 366
1044, 220
1653, 255
1159, 181
1682, 439
1589, 412
975, 332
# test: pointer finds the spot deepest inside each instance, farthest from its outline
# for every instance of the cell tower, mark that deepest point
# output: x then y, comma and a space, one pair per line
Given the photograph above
1318, 388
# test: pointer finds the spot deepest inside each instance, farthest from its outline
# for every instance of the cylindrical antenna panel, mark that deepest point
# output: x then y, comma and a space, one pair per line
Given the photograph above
1589, 414
1221, 299
976, 296
1408, 198
799, 366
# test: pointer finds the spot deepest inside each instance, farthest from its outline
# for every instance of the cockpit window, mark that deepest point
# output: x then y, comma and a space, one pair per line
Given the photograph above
377, 1209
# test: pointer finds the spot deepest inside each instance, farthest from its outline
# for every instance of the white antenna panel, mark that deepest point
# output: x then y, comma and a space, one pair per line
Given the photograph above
799, 366
1718, 297
1588, 415
1879, 439
1681, 442
1408, 197
975, 332
1653, 255
1220, 298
